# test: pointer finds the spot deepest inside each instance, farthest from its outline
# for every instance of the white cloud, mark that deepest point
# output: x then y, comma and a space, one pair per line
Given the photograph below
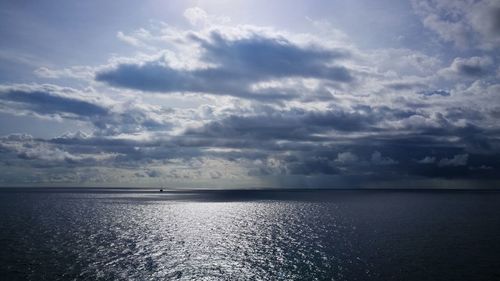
198, 16
77, 72
129, 39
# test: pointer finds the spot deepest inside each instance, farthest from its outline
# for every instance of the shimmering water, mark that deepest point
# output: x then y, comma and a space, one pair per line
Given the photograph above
62, 234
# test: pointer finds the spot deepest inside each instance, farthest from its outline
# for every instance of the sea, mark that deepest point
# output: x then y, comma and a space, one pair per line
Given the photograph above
145, 234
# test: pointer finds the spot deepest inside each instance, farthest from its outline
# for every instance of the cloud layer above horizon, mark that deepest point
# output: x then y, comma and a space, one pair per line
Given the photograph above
208, 101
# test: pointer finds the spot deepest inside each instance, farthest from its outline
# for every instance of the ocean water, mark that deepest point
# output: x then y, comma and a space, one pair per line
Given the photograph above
127, 234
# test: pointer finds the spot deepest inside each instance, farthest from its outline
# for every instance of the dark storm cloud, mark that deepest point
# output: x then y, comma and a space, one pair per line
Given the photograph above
238, 64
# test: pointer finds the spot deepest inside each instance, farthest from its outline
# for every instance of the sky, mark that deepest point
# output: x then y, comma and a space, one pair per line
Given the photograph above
250, 94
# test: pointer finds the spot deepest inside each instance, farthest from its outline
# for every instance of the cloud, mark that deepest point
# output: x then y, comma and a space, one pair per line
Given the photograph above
457, 160
28, 148
312, 166
346, 158
293, 124
467, 24
473, 67
402, 61
234, 65
78, 135
152, 173
198, 16
378, 159
223, 101
18, 137
442, 93
427, 160
77, 72
263, 57
50, 100
129, 39
108, 116
195, 15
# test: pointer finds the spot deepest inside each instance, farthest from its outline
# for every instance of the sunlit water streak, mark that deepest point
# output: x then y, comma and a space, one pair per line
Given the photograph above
328, 235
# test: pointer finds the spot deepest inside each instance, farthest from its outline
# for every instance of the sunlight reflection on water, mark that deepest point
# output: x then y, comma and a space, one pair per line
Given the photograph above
333, 236
252, 240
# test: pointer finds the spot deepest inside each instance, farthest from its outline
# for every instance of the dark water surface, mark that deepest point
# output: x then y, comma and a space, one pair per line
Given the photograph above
118, 234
